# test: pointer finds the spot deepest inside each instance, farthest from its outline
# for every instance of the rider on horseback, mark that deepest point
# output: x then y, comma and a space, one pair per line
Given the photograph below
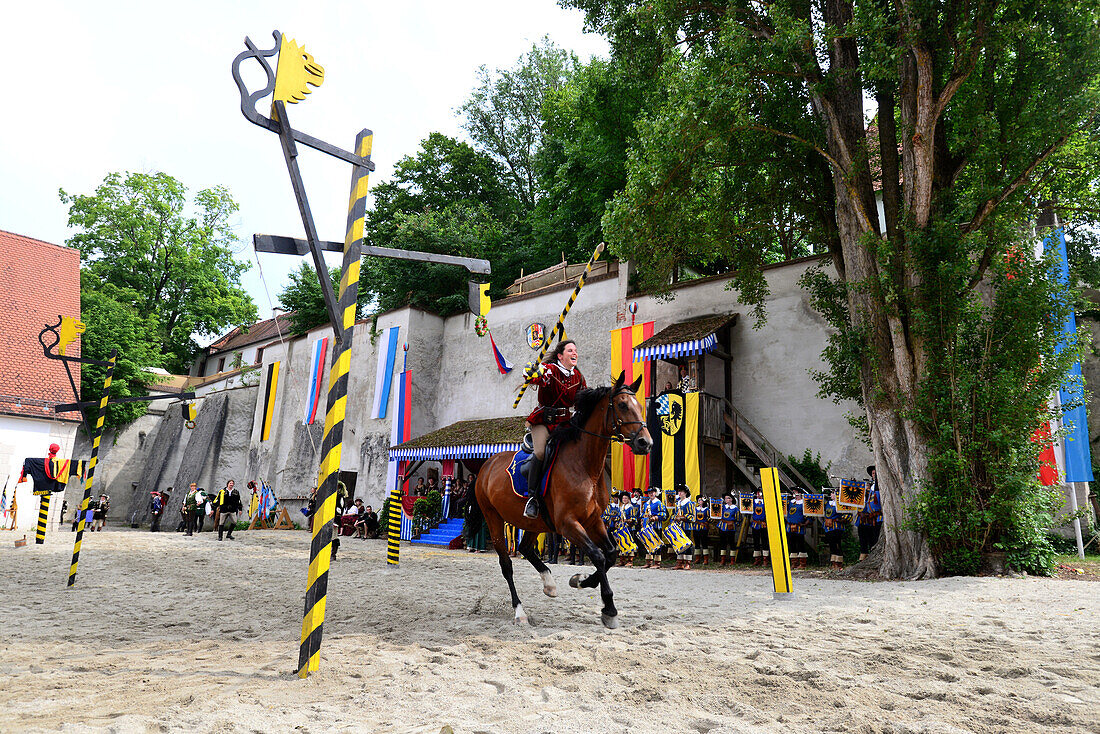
558, 380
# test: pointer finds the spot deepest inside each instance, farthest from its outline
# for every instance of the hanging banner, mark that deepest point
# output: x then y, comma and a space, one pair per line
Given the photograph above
316, 377
627, 470
387, 355
1078, 458
675, 430
400, 432
270, 387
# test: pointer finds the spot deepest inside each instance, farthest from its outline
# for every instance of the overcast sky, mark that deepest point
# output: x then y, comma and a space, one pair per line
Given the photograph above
141, 86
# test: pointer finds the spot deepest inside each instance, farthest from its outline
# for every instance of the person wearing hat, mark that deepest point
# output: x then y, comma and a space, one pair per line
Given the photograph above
727, 530
869, 519
700, 531
684, 519
758, 524
654, 513
630, 515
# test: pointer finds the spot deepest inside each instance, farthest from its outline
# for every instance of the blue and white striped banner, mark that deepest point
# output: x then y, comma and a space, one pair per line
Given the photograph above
387, 355
465, 451
406, 525
679, 349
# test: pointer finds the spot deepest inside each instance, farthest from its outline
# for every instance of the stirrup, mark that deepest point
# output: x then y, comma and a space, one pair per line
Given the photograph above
528, 444
531, 509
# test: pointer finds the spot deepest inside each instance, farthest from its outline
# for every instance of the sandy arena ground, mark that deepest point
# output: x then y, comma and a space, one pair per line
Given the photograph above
167, 633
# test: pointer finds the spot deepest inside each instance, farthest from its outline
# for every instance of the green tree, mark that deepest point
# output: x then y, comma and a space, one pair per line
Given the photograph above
112, 322
504, 114
172, 260
949, 351
446, 199
303, 301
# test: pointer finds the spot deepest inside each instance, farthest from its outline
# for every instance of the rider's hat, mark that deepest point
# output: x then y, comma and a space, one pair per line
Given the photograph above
650, 489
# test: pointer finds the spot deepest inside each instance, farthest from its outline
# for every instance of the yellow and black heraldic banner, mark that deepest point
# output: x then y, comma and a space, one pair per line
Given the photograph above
674, 418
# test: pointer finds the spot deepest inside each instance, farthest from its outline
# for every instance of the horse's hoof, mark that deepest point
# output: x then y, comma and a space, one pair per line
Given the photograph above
548, 586
521, 621
521, 616
575, 581
611, 622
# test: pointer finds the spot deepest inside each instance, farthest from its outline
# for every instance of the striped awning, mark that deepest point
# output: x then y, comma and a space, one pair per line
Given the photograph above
677, 349
474, 439
685, 339
464, 451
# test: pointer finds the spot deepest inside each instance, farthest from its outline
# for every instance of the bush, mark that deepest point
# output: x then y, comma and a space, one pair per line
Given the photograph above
810, 467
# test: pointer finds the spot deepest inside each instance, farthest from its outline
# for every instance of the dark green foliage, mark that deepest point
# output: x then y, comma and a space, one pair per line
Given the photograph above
156, 271
757, 147
810, 467
302, 298
138, 234
384, 518
113, 323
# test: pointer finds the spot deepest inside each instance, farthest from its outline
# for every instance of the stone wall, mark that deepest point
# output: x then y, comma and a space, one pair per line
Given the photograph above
454, 377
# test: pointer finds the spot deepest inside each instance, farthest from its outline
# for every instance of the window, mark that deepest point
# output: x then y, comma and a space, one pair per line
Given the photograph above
221, 364
259, 355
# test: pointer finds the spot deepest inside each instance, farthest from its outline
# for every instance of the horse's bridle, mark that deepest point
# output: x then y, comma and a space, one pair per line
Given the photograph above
616, 433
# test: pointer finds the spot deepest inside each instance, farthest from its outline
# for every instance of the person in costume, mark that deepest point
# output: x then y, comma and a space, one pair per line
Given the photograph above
630, 515
700, 531
654, 513
156, 507
229, 505
796, 531
835, 524
685, 520
191, 508
559, 380
758, 524
13, 508
727, 530
869, 519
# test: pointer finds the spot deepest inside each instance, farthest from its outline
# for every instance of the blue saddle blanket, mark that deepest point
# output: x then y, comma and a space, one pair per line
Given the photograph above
519, 481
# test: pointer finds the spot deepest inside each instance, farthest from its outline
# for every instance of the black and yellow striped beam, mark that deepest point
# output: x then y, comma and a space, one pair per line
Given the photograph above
92, 464
320, 550
393, 535
559, 327
43, 515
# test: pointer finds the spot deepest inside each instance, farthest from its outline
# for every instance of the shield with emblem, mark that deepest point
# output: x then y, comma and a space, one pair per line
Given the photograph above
536, 333
673, 418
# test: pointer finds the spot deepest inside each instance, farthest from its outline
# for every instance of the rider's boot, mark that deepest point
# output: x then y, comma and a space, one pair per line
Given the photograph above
534, 475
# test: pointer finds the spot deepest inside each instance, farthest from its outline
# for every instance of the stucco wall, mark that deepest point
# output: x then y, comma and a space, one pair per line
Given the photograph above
455, 378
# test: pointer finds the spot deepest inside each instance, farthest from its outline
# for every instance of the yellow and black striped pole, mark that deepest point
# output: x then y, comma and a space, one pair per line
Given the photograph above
43, 515
776, 516
91, 464
560, 325
393, 533
320, 551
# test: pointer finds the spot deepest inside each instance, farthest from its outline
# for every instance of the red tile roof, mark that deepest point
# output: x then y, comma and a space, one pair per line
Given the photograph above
261, 331
41, 281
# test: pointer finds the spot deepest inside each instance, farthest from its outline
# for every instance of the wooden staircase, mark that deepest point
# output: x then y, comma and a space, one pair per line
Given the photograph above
745, 445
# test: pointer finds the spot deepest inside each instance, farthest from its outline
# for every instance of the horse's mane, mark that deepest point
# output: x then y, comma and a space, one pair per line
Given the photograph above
587, 400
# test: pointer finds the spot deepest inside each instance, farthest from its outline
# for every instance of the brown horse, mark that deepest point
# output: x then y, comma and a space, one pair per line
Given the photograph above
577, 493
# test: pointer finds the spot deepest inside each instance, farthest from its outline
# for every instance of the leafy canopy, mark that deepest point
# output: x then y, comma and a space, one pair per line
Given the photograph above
156, 271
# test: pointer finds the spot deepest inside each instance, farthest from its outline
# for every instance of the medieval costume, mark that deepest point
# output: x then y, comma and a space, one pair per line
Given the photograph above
759, 526
654, 513
700, 529
558, 380
834, 523
727, 530
869, 519
796, 532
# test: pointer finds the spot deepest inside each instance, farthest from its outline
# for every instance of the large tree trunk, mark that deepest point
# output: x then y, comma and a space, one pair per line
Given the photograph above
895, 358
